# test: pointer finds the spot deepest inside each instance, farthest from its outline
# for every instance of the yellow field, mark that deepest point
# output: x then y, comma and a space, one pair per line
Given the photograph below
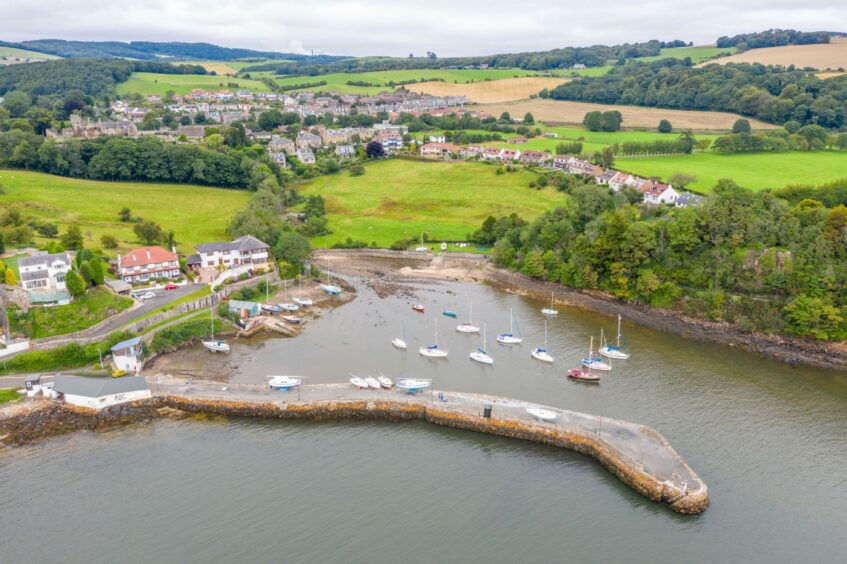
826, 56
564, 112
220, 68
489, 92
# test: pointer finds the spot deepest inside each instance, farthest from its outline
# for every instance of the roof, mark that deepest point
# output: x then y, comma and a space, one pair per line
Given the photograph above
118, 285
244, 243
239, 304
146, 255
126, 344
191, 260
43, 259
97, 387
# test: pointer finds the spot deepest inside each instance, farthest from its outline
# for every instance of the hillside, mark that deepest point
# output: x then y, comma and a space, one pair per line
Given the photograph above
145, 83
490, 91
823, 56
195, 213
397, 199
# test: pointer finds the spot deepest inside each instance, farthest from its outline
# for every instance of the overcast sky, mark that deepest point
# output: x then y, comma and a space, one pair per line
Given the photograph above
398, 27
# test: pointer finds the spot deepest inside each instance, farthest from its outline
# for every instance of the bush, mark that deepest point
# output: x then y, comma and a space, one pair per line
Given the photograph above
109, 242
173, 337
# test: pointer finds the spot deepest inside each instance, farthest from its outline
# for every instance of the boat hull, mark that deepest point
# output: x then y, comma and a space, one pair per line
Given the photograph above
548, 311
481, 358
467, 328
542, 414
399, 344
576, 374
303, 302
509, 339
432, 353
615, 354
543, 356
216, 346
596, 365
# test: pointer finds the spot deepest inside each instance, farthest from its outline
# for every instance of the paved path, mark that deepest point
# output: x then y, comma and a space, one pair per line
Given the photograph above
163, 297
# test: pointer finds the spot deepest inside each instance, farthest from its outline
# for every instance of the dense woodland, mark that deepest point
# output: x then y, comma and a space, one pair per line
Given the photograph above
745, 257
773, 38
773, 94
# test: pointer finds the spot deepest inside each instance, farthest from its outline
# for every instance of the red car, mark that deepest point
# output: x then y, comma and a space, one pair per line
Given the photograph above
171, 286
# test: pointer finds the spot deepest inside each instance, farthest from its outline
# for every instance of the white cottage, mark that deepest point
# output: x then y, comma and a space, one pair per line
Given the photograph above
97, 393
43, 276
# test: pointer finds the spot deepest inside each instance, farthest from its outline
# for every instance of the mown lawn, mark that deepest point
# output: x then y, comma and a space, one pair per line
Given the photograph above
9, 395
83, 312
397, 199
195, 213
145, 83
755, 171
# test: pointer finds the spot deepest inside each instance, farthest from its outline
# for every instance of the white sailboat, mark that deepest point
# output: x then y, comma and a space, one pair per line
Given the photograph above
373, 383
302, 302
385, 381
550, 310
479, 354
285, 305
595, 362
358, 382
214, 345
540, 353
432, 351
413, 385
423, 248
510, 338
330, 289
469, 326
398, 342
615, 351
284, 383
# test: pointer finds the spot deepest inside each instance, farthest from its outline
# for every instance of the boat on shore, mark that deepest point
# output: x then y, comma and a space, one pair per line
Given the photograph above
373, 383
303, 302
271, 308
331, 289
284, 383
212, 344
360, 383
289, 307
413, 385
290, 319
385, 381
546, 415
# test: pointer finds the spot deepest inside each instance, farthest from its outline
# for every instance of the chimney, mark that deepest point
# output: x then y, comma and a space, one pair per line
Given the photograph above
173, 249
148, 254
119, 263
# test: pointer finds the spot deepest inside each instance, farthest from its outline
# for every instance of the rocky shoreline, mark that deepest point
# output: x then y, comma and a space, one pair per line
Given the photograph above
793, 351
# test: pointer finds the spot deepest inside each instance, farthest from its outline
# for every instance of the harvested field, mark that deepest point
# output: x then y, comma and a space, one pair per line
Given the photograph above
564, 112
826, 56
490, 92
219, 67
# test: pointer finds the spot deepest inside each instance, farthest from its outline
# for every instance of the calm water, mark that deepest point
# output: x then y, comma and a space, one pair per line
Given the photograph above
769, 440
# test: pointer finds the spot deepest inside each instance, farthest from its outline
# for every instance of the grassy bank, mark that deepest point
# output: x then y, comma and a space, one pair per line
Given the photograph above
398, 199
195, 213
145, 83
67, 357
83, 312
9, 395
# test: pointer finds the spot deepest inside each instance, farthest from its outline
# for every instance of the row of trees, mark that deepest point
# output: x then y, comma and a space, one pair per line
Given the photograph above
745, 257
773, 38
773, 94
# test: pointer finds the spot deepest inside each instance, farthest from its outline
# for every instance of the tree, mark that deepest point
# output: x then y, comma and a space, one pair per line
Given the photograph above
17, 103
593, 121
87, 273
10, 278
125, 214
374, 150
357, 170
505, 117
2, 243
109, 242
612, 120
840, 141
75, 283
72, 239
528, 119
741, 126
665, 126
148, 231
605, 157
814, 317
270, 120
681, 179
97, 274
292, 248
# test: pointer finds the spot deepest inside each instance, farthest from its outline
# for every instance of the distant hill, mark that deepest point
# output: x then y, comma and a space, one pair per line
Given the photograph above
149, 50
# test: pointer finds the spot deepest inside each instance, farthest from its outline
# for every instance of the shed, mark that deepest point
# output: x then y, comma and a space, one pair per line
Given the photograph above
127, 355
245, 309
97, 393
118, 286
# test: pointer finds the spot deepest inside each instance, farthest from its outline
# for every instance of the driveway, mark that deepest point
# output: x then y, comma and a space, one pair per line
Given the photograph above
163, 297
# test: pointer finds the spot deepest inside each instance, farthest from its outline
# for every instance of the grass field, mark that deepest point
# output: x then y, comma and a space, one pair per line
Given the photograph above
698, 54
12, 262
490, 92
755, 171
195, 213
563, 112
83, 312
145, 83
9, 395
824, 56
337, 82
397, 199
13, 52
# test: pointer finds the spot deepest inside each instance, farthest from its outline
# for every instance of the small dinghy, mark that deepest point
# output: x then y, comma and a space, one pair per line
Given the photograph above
360, 383
550, 310
413, 385
303, 302
331, 289
449, 313
283, 383
216, 346
271, 308
290, 319
289, 307
542, 414
385, 381
583, 375
418, 308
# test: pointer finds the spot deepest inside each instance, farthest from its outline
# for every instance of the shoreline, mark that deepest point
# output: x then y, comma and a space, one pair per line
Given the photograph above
476, 269
636, 454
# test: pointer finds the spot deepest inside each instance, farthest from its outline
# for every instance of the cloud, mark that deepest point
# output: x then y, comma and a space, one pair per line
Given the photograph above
388, 27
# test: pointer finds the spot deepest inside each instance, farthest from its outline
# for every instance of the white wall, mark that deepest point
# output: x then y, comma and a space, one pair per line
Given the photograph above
106, 401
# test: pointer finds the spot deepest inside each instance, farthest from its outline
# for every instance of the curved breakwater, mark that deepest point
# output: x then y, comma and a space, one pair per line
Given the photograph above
638, 455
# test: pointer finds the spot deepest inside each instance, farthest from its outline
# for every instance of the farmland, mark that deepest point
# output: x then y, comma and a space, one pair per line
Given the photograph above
755, 171
145, 83
195, 213
22, 53
494, 91
397, 199
697, 54
337, 82
822, 56
564, 112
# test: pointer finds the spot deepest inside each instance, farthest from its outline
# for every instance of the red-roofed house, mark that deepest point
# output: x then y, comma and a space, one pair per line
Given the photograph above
535, 157
142, 264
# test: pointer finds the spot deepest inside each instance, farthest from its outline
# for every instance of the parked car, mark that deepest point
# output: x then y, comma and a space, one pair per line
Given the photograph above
146, 295
171, 286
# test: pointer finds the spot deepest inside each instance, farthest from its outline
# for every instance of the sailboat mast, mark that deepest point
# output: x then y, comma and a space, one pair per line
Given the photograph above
619, 331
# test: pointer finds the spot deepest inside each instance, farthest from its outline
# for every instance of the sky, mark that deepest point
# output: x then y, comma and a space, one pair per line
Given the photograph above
397, 27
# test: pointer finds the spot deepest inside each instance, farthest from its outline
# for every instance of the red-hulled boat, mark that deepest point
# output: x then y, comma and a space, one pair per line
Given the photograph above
418, 307
583, 375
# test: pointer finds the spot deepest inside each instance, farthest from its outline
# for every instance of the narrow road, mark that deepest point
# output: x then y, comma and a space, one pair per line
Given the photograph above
163, 297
